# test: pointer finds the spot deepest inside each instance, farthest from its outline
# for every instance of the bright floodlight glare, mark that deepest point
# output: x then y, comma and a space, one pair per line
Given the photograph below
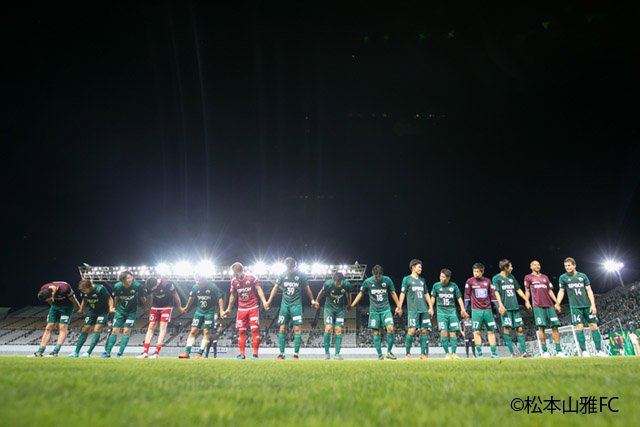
260, 268
163, 269
304, 267
206, 268
278, 267
183, 268
613, 265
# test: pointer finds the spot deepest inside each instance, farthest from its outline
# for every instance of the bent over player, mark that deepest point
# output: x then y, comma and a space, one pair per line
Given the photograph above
164, 295
338, 293
100, 306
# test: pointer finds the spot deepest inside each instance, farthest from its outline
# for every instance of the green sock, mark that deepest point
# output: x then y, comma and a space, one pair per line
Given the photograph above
41, 349
338, 340
56, 349
327, 342
281, 340
523, 345
558, 348
493, 349
479, 350
389, 342
581, 340
377, 342
94, 341
597, 339
544, 347
112, 341
445, 344
507, 339
408, 343
123, 344
81, 339
297, 339
453, 342
424, 345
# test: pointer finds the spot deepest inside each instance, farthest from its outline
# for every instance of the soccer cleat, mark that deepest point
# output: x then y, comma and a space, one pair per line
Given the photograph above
36, 354
380, 357
254, 357
585, 354
184, 356
85, 355
454, 356
240, 357
74, 354
296, 357
423, 357
280, 357
391, 356
546, 354
154, 356
480, 356
337, 357
143, 356
513, 354
601, 353
198, 356
105, 356
525, 355
327, 356
408, 357
494, 356
52, 354
447, 356
118, 355
561, 354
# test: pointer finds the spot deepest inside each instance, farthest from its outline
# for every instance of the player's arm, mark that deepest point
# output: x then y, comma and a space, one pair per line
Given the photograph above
112, 310
525, 298
395, 299
74, 300
310, 295
349, 298
428, 299
186, 307
498, 302
273, 293
220, 304
115, 300
232, 299
560, 298
320, 295
399, 303
145, 302
463, 312
176, 299
261, 296
592, 300
467, 296
355, 301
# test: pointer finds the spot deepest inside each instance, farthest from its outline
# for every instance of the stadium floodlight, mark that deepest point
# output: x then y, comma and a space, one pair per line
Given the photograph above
318, 269
163, 269
304, 267
277, 268
183, 268
206, 268
260, 268
613, 266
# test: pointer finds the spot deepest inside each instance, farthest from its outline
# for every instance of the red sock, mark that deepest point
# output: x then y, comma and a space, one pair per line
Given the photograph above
256, 341
242, 341
158, 347
146, 347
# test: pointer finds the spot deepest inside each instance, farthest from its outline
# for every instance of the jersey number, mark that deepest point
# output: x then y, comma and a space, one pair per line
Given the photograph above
578, 291
379, 297
290, 291
509, 293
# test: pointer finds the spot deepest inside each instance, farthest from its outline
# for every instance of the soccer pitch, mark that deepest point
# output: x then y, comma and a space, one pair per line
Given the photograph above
113, 392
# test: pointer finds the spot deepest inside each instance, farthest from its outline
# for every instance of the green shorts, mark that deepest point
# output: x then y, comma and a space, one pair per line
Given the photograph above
290, 313
379, 318
96, 318
334, 317
418, 319
582, 315
60, 314
203, 320
448, 322
546, 316
511, 319
480, 317
126, 319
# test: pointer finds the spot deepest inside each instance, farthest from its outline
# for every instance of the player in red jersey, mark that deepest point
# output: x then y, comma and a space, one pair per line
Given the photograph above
246, 287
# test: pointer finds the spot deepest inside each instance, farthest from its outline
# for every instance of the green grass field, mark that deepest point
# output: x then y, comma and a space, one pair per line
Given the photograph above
97, 392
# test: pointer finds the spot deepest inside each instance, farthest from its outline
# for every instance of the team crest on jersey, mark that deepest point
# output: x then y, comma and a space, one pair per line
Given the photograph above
208, 291
296, 278
247, 282
450, 289
580, 279
510, 280
384, 285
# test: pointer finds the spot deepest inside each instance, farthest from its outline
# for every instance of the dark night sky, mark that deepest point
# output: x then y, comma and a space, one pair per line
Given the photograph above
149, 132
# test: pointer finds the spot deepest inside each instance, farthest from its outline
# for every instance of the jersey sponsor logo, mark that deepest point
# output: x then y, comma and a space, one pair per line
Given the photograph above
296, 318
378, 291
481, 293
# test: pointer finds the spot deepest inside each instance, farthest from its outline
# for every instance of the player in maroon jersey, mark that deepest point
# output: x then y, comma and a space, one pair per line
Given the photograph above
248, 289
540, 288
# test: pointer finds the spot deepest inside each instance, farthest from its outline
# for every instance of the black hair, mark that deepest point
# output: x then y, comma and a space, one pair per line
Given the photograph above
377, 270
479, 266
151, 282
414, 262
446, 272
290, 263
123, 275
504, 264
338, 276
45, 294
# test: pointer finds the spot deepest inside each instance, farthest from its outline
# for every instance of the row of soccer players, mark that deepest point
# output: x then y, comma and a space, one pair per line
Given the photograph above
479, 293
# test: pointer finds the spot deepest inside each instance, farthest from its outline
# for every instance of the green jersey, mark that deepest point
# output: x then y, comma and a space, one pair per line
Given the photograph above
207, 297
291, 285
336, 295
507, 287
575, 288
378, 293
127, 297
446, 297
98, 299
415, 291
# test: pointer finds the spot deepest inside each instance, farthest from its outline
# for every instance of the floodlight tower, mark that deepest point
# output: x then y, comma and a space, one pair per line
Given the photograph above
615, 267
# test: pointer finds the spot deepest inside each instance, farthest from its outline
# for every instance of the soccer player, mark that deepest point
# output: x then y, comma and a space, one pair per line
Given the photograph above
100, 306
62, 300
207, 295
419, 307
338, 293
540, 288
214, 334
379, 287
291, 283
248, 289
468, 336
125, 294
581, 303
479, 291
507, 286
444, 294
164, 296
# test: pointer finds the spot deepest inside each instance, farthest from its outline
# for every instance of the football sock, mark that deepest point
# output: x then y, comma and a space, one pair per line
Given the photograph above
111, 342
190, 341
597, 340
123, 343
327, 342
146, 347
41, 349
158, 348
507, 339
94, 341
493, 349
255, 340
580, 335
389, 342
297, 339
281, 340
479, 349
242, 341
56, 349
424, 345
408, 343
377, 342
203, 345
453, 342
81, 339
544, 347
338, 340
445, 344
558, 348
523, 345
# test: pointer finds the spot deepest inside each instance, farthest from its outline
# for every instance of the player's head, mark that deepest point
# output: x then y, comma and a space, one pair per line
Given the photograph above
238, 270
377, 271
535, 266
478, 270
85, 286
45, 294
445, 276
151, 283
505, 265
570, 265
415, 266
201, 279
338, 278
291, 264
126, 277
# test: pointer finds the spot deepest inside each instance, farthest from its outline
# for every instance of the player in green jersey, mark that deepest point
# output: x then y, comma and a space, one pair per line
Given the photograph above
207, 296
338, 297
507, 286
444, 294
581, 303
291, 283
419, 308
125, 294
100, 306
379, 287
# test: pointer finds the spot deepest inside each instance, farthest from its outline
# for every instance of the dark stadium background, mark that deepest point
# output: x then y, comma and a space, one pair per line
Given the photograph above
154, 131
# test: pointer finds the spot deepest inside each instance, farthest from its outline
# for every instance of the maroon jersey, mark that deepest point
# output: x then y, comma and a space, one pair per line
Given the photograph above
246, 290
163, 294
540, 286
481, 292
61, 297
